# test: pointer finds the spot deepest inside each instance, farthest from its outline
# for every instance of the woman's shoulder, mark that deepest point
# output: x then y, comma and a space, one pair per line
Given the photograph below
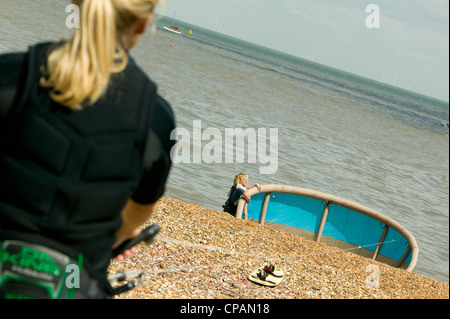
164, 106
10, 64
137, 71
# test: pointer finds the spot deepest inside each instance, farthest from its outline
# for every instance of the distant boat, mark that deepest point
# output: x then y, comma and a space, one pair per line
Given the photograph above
173, 28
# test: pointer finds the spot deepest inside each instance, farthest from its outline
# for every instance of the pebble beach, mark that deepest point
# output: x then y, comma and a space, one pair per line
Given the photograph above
208, 254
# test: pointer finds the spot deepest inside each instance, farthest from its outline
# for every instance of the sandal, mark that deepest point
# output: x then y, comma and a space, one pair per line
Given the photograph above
262, 275
270, 269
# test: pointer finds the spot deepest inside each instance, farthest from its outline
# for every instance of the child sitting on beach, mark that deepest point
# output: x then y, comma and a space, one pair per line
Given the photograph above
237, 191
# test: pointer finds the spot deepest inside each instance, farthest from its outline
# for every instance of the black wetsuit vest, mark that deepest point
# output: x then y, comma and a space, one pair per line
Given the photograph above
66, 175
230, 206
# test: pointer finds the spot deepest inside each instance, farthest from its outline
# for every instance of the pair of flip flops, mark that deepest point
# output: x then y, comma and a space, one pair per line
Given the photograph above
269, 275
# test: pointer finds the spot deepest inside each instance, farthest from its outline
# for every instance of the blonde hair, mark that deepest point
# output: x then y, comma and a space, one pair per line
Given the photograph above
79, 70
238, 177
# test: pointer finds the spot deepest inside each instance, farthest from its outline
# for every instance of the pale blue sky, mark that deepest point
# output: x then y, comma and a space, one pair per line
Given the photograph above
409, 50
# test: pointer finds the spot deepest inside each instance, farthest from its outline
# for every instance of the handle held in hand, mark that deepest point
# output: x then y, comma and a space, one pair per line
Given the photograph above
148, 235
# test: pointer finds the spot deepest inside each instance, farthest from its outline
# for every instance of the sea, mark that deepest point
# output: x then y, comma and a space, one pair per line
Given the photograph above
295, 122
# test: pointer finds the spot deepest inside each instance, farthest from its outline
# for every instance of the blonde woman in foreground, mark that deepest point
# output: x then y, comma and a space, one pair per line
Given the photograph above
84, 157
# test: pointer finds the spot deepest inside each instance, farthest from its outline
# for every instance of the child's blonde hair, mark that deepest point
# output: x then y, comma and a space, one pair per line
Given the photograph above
238, 177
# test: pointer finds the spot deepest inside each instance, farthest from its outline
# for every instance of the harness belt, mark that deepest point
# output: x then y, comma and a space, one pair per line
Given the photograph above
29, 271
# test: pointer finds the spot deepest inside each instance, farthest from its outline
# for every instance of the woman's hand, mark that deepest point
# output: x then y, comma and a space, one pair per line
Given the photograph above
134, 215
120, 238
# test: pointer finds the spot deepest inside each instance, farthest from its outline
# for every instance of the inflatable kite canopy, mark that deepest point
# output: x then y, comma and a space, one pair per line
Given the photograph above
335, 221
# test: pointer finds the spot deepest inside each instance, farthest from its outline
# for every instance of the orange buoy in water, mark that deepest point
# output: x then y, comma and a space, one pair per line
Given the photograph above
172, 45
